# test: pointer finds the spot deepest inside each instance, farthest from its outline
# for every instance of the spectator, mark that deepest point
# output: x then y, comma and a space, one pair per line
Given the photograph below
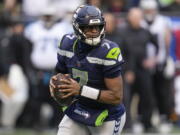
112, 31
132, 3
116, 6
134, 40
14, 83
97, 3
103, 5
162, 81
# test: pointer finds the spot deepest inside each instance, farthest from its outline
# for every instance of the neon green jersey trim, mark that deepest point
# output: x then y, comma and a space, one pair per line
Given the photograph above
74, 45
100, 119
113, 53
64, 108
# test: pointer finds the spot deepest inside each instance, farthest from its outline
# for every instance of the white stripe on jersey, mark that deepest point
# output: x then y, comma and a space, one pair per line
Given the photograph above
100, 61
92, 60
65, 53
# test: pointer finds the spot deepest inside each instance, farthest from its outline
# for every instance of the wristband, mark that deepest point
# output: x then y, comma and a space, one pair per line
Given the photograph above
90, 92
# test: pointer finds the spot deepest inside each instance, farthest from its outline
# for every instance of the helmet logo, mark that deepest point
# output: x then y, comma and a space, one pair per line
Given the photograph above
94, 21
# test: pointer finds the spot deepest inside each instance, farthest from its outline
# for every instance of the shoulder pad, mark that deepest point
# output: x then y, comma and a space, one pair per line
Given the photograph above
107, 44
111, 49
113, 53
67, 41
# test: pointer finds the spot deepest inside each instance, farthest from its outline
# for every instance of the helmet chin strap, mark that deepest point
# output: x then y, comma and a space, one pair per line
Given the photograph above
93, 41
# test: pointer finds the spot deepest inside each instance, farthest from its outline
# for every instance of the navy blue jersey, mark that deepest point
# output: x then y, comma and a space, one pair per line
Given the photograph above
89, 65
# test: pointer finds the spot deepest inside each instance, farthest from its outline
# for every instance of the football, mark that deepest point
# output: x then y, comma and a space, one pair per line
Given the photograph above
58, 94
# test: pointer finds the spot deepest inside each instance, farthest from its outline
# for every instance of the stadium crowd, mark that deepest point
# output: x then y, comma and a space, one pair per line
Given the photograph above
147, 31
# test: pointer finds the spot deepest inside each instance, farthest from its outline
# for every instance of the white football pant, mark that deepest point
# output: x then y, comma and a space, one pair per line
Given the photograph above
69, 127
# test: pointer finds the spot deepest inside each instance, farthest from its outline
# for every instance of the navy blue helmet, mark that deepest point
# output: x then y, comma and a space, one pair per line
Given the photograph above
86, 16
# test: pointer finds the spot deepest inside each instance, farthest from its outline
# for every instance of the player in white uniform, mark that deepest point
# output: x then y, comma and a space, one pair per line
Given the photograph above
45, 35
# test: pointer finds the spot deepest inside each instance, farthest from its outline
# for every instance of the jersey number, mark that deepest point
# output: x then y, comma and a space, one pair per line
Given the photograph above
81, 75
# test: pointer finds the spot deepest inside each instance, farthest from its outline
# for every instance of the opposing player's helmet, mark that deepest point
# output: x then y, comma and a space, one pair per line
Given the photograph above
86, 16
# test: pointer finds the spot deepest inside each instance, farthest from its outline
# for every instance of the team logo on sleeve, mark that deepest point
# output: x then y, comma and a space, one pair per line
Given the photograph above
114, 53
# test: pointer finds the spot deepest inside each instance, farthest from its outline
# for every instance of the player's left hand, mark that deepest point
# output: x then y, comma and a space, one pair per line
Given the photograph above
70, 87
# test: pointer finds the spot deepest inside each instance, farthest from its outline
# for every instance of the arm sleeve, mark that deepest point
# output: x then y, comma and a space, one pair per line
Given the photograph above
114, 69
61, 64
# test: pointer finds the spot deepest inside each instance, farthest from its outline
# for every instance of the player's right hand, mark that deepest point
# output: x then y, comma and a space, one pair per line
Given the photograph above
52, 86
55, 82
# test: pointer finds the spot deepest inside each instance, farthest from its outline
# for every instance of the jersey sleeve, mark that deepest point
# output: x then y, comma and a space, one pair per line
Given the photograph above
114, 60
61, 65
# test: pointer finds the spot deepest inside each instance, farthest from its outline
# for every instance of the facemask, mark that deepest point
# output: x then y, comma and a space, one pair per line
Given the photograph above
149, 17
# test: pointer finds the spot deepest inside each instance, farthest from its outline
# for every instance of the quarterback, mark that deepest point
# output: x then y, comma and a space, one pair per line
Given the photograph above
94, 65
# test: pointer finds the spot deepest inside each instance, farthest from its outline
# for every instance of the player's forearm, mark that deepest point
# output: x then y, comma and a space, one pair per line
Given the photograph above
110, 97
105, 96
114, 92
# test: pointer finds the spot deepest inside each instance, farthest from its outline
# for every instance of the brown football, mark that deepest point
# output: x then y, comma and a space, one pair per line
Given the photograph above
58, 94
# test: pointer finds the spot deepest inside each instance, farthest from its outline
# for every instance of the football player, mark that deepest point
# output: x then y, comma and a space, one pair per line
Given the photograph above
44, 34
94, 65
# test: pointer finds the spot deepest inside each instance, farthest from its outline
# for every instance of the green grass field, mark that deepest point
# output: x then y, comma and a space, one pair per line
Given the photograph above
176, 131
28, 132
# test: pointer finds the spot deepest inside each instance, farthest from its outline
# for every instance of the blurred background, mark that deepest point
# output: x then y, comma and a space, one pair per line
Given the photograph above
148, 33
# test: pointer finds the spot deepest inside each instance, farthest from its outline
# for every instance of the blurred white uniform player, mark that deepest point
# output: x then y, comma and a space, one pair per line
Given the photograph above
45, 35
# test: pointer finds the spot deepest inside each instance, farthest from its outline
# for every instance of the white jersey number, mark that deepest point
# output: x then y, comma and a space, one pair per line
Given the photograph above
82, 75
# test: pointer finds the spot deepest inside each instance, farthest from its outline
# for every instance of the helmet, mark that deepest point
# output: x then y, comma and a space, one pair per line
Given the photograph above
148, 4
150, 8
86, 16
48, 16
